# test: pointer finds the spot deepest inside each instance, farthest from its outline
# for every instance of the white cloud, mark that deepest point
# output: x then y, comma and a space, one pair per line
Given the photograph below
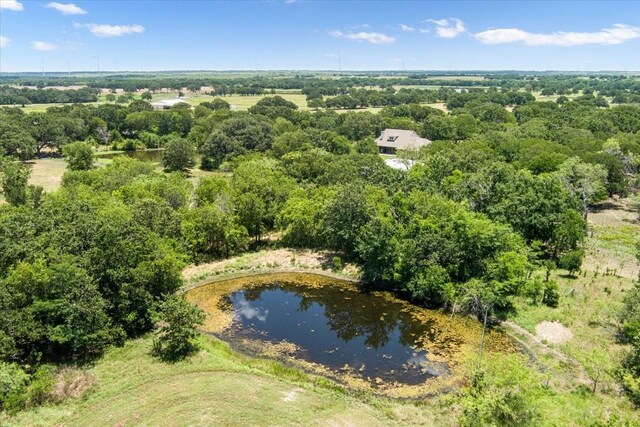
11, 5
106, 30
290, 1
363, 36
364, 26
66, 8
4, 41
424, 31
448, 28
407, 28
44, 46
617, 34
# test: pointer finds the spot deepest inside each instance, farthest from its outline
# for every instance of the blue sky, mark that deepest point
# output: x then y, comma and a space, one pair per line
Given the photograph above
310, 35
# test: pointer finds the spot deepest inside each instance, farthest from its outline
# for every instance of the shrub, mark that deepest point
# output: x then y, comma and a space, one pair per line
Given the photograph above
551, 296
338, 265
572, 261
504, 395
79, 156
177, 333
25, 391
13, 382
631, 386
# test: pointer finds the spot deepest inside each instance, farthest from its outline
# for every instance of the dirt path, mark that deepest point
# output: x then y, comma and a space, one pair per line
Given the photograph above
268, 261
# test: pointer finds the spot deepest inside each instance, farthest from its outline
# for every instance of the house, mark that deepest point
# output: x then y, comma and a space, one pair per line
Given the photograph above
166, 104
399, 139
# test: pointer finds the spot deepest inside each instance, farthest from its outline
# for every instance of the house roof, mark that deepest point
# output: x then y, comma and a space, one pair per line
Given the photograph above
401, 139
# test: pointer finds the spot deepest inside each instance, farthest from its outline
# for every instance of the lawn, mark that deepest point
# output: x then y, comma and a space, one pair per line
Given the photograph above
47, 173
242, 103
214, 387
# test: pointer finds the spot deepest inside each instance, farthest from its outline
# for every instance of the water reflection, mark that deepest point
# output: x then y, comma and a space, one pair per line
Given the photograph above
245, 310
340, 328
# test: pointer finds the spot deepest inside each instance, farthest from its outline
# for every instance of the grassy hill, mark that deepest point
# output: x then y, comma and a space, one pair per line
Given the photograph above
215, 387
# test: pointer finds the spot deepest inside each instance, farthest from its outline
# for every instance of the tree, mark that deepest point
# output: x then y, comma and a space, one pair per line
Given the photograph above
572, 261
377, 250
344, 216
300, 220
54, 308
208, 232
16, 141
79, 156
585, 181
179, 155
250, 131
47, 130
217, 148
217, 104
147, 96
440, 128
14, 178
214, 190
177, 321
260, 189
315, 103
110, 97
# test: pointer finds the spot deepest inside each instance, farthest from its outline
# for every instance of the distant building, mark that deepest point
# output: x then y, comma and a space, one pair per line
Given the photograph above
166, 104
399, 139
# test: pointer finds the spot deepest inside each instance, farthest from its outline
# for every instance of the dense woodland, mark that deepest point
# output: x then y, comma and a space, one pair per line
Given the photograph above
496, 202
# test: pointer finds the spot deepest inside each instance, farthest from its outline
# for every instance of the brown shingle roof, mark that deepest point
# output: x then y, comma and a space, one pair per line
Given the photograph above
401, 139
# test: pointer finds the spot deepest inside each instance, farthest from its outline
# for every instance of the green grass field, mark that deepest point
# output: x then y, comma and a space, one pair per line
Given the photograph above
47, 173
214, 387
242, 103
589, 303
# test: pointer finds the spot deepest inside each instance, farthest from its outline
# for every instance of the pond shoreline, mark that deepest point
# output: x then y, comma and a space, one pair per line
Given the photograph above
448, 341
260, 272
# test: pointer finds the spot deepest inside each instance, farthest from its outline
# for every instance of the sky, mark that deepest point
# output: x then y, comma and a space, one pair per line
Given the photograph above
319, 35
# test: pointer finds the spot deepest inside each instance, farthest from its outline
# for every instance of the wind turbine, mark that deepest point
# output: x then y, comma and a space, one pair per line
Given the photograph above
97, 58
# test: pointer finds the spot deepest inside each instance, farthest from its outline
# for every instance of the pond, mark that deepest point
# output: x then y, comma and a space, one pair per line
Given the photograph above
328, 326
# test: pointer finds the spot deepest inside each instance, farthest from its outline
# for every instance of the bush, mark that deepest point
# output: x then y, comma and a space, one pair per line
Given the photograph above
177, 333
26, 391
631, 386
572, 261
41, 387
551, 297
504, 395
79, 156
13, 382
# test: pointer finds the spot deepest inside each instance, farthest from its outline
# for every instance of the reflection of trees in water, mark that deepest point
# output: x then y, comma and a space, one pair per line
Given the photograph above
351, 314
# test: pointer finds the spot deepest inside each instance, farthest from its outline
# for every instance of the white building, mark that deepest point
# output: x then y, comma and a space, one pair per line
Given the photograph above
166, 104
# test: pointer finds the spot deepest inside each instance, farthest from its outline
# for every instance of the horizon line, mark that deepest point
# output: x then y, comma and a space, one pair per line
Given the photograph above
249, 71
